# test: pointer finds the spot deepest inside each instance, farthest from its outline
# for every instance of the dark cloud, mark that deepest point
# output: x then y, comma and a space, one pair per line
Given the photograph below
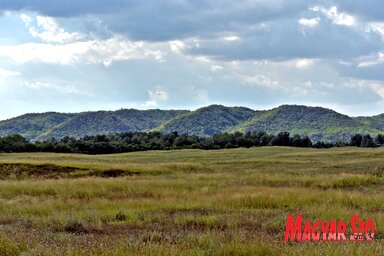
68, 8
165, 19
286, 40
169, 19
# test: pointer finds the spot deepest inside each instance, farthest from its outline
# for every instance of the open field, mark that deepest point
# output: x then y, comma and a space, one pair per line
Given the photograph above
186, 202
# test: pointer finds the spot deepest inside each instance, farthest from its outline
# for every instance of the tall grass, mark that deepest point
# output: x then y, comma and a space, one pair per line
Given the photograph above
188, 202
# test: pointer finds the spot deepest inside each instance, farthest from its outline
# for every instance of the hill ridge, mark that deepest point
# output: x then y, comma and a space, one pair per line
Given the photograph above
316, 122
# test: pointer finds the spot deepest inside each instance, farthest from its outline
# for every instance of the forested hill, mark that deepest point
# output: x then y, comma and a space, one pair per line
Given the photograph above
55, 125
208, 120
316, 122
107, 122
32, 126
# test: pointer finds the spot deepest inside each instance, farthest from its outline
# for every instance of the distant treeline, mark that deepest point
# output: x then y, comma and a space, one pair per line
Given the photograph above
140, 141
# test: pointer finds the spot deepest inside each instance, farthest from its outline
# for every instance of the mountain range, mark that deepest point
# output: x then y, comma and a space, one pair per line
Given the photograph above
316, 122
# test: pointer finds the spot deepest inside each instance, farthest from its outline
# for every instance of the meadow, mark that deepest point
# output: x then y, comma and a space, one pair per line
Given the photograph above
186, 202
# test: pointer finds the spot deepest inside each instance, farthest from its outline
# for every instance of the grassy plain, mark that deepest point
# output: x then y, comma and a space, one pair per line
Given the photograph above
185, 202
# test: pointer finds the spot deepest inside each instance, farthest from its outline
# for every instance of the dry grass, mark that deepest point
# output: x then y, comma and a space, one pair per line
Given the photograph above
189, 202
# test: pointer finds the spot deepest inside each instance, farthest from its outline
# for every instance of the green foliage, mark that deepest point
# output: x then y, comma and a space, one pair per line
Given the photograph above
140, 141
208, 121
319, 124
31, 126
107, 122
376, 122
56, 125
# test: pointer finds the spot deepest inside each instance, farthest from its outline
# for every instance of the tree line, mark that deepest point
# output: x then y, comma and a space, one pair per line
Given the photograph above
141, 141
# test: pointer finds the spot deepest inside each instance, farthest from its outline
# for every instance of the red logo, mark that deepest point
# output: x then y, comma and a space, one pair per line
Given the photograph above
334, 230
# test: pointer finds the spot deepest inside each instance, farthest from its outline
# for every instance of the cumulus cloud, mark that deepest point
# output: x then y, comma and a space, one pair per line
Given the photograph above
48, 30
311, 23
201, 52
339, 18
95, 51
376, 27
177, 46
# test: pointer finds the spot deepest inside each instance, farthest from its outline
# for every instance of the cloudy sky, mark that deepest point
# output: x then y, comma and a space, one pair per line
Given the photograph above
80, 55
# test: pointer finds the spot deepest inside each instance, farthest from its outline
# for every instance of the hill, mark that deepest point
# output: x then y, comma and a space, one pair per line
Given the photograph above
57, 125
208, 120
105, 122
376, 122
33, 125
316, 122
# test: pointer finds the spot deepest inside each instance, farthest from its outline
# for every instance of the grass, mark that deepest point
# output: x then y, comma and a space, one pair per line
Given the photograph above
185, 202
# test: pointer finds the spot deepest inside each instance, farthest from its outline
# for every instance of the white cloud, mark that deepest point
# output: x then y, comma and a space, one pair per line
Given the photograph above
156, 97
338, 18
7, 73
105, 52
60, 54
231, 38
371, 61
26, 19
304, 63
177, 46
61, 47
215, 68
295, 63
377, 27
311, 23
48, 30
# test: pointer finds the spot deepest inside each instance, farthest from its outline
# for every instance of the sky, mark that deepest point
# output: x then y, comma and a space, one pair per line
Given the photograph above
79, 55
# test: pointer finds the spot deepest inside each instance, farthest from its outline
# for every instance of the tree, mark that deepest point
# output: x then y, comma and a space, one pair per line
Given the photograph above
356, 140
281, 139
367, 141
16, 143
379, 139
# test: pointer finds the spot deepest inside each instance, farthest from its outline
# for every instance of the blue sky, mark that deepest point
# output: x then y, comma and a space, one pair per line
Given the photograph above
73, 56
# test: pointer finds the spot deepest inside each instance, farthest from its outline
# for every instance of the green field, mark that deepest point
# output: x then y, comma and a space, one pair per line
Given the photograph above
186, 202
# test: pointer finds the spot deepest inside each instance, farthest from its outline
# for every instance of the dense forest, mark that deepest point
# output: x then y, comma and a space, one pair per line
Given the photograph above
319, 124
140, 141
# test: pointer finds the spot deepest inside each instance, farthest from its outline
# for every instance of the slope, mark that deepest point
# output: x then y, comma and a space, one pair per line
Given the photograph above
208, 120
376, 122
32, 125
105, 122
316, 122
